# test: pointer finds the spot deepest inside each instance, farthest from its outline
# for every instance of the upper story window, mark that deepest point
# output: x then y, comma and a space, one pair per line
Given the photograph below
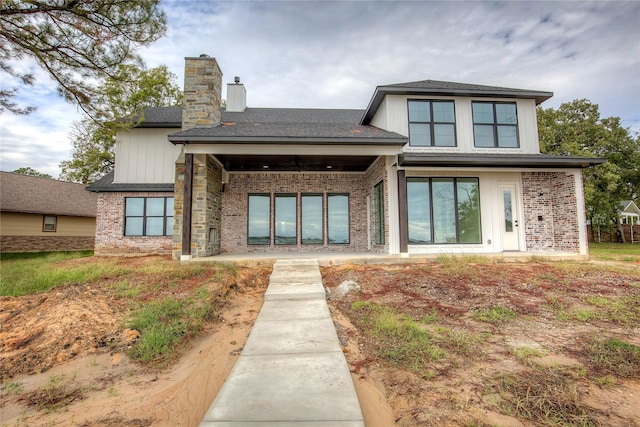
432, 123
495, 124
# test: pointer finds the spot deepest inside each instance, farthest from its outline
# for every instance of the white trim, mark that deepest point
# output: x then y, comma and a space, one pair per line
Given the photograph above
581, 212
291, 150
394, 220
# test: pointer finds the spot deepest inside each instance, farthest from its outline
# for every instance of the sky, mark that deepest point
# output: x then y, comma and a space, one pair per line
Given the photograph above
333, 54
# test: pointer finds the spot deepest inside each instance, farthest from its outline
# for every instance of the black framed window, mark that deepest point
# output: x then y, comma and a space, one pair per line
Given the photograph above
443, 210
286, 219
259, 219
432, 123
338, 218
312, 219
378, 213
495, 124
148, 216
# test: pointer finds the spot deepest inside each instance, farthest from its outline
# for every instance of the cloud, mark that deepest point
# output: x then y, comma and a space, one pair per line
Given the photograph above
333, 55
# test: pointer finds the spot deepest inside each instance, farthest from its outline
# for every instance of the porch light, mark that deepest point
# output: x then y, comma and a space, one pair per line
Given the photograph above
265, 167
329, 167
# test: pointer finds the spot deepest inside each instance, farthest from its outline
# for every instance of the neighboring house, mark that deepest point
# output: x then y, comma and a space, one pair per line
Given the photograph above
428, 167
628, 212
41, 214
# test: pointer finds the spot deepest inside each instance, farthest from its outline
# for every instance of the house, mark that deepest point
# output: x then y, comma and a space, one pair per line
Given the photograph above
628, 212
427, 167
41, 214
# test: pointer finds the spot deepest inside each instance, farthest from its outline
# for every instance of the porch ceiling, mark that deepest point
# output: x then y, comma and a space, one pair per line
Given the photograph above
236, 163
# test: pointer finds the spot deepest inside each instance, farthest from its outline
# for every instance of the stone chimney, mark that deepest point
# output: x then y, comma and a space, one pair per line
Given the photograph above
236, 97
202, 93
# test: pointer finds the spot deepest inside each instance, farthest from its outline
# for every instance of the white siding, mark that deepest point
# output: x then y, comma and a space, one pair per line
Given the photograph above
145, 156
392, 115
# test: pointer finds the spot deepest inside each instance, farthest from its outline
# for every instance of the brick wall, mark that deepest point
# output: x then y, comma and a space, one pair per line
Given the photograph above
550, 211
110, 237
45, 243
235, 201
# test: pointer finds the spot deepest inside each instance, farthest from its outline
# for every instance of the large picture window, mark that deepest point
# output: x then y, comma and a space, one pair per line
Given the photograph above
432, 123
286, 223
495, 124
338, 218
378, 212
443, 210
148, 216
312, 219
259, 219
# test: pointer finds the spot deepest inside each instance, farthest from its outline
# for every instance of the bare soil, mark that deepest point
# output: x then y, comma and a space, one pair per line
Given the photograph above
70, 344
461, 389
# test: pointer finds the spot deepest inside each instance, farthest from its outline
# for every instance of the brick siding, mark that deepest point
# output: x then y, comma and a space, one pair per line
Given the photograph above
550, 212
45, 243
376, 173
110, 238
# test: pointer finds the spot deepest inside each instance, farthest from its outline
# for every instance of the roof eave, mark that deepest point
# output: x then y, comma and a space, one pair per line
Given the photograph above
177, 140
499, 161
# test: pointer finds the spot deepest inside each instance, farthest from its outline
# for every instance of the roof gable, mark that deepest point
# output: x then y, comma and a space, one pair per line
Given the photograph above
31, 194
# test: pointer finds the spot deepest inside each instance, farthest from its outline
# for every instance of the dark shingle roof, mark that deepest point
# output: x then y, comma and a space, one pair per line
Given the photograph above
106, 184
32, 194
440, 88
291, 125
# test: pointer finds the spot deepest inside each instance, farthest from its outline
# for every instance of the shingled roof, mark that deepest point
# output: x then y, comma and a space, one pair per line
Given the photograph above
291, 125
31, 194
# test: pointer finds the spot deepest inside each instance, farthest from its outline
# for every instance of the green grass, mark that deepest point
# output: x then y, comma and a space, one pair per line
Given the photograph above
621, 310
399, 340
164, 326
614, 356
35, 273
494, 315
621, 252
549, 396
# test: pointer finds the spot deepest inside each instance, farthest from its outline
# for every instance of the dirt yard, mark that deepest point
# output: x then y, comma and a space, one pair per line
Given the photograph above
481, 332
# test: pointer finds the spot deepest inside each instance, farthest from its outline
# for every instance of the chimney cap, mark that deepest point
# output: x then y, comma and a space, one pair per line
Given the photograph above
236, 79
204, 55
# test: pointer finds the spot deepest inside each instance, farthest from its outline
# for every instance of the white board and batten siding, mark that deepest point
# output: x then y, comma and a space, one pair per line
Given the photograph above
392, 115
145, 156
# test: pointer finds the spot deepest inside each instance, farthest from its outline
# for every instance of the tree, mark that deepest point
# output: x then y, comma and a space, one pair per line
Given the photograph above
576, 128
74, 41
121, 101
31, 172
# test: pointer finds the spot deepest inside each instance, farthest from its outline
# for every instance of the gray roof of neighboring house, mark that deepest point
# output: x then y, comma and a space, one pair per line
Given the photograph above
479, 160
291, 125
440, 88
31, 194
106, 184
629, 207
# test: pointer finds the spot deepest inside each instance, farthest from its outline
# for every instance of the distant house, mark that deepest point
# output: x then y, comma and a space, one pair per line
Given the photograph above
628, 212
429, 167
40, 214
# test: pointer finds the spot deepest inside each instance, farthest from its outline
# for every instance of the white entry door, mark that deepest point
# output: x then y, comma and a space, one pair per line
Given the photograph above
509, 217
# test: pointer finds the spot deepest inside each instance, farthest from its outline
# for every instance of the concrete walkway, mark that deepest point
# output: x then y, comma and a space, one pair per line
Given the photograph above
292, 371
